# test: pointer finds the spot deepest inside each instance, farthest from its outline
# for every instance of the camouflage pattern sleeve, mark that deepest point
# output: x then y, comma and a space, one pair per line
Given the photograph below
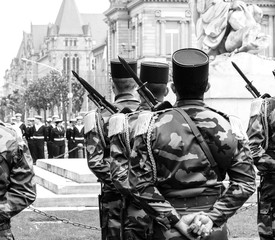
257, 133
96, 147
241, 177
17, 188
119, 151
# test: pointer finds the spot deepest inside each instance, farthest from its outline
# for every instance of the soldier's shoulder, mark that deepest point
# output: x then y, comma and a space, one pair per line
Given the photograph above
7, 138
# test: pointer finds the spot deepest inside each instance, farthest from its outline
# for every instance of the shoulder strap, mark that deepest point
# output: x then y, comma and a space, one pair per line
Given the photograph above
200, 140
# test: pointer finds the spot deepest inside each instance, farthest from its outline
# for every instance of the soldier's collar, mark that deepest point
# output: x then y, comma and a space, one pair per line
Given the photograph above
123, 95
183, 102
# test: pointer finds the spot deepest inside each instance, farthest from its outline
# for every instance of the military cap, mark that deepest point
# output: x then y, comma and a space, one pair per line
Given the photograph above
190, 70
58, 120
72, 120
18, 115
79, 118
30, 119
118, 71
154, 72
38, 117
49, 120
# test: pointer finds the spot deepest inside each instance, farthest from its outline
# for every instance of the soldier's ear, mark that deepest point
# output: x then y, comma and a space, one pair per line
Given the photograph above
173, 87
166, 92
207, 87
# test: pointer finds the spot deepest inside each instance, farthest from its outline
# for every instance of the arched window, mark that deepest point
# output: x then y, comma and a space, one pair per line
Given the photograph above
66, 64
76, 63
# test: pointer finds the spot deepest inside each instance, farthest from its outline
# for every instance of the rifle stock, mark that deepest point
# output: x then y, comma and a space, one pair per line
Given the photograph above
95, 96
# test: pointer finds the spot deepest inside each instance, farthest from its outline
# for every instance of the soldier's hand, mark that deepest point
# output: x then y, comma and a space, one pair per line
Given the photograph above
201, 226
183, 226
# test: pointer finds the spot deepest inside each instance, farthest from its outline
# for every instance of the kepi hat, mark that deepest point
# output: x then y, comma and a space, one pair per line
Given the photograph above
118, 71
154, 72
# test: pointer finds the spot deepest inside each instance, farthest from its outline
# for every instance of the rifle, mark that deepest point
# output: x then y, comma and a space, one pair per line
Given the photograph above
95, 96
144, 91
249, 85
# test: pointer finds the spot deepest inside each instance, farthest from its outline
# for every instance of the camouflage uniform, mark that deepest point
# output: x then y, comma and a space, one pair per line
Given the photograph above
170, 175
98, 155
260, 131
17, 191
137, 224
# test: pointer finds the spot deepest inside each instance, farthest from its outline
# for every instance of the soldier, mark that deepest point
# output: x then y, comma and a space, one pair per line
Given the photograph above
69, 137
98, 152
181, 155
39, 131
78, 134
17, 188
20, 124
58, 138
29, 135
260, 132
137, 224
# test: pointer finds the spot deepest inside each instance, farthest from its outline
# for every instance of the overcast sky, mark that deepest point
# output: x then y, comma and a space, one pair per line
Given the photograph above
17, 15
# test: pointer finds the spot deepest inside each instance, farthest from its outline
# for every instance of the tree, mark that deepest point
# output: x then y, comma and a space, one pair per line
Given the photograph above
78, 93
52, 90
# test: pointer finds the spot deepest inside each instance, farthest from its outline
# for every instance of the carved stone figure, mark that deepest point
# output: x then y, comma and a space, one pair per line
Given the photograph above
225, 27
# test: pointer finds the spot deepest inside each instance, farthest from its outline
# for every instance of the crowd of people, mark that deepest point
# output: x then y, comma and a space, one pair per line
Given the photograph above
51, 138
162, 167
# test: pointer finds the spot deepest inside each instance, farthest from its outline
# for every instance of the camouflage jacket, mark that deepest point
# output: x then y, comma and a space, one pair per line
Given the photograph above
261, 133
167, 162
18, 190
97, 141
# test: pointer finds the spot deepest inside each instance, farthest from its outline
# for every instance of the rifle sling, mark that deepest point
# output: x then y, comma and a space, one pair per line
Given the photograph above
201, 141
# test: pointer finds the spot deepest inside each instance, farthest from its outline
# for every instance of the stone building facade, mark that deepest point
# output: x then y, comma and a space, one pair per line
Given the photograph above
148, 30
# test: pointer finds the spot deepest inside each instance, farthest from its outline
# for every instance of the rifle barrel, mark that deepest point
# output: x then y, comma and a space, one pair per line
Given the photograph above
145, 92
250, 85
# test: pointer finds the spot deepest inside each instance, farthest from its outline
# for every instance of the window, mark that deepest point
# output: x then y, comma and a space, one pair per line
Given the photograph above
66, 64
172, 37
76, 63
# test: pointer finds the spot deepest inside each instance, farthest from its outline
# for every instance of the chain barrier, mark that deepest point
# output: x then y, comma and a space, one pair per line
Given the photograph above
76, 224
63, 220
63, 155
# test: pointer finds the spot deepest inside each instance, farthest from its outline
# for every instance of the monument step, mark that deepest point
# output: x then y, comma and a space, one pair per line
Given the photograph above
62, 185
75, 169
46, 198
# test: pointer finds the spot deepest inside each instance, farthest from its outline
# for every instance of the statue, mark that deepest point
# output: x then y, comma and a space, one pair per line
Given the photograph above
227, 27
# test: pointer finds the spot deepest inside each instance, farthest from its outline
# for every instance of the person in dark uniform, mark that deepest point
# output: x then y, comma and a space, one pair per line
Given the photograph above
29, 135
39, 131
20, 124
78, 135
49, 141
98, 151
58, 137
69, 137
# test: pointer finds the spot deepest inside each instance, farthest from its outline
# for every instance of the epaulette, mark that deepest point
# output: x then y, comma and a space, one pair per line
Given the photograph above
143, 122
117, 124
89, 121
237, 127
255, 107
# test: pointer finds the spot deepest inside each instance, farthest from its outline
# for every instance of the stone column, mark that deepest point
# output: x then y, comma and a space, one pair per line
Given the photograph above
162, 37
271, 33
